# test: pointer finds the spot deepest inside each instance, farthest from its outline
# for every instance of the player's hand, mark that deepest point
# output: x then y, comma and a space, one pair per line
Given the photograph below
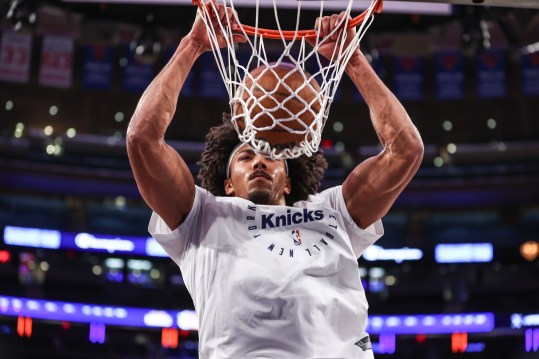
219, 13
330, 30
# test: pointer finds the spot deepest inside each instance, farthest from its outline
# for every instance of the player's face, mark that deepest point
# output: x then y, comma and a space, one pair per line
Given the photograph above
257, 178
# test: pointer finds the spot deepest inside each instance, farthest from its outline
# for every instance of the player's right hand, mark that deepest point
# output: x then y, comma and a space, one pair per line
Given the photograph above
330, 30
220, 16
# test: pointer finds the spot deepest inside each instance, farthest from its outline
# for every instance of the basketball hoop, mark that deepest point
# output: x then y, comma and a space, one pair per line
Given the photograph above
235, 65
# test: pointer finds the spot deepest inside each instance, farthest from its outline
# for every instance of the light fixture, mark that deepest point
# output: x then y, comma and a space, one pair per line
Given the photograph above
146, 46
529, 250
475, 30
22, 14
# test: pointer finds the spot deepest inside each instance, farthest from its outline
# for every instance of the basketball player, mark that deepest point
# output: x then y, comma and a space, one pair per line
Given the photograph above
270, 264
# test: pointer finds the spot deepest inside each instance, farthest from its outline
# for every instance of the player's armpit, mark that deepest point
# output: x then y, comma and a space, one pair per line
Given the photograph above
374, 185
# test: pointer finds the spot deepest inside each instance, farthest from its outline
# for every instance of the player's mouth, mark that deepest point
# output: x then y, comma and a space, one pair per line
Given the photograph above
259, 174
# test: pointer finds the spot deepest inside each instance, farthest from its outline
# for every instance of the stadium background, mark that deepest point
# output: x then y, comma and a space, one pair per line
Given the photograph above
455, 276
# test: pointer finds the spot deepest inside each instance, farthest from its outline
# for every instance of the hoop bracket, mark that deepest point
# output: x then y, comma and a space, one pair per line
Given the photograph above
291, 34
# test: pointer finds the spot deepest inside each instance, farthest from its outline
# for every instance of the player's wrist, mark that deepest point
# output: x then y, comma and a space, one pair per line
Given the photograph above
195, 46
356, 60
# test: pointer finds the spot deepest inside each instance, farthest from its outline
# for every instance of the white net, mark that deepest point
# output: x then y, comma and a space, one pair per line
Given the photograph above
280, 87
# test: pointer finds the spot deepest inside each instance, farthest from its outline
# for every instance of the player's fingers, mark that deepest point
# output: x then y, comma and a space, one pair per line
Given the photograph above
341, 23
212, 7
333, 25
317, 26
239, 38
341, 19
226, 20
216, 10
325, 26
231, 19
222, 13
333, 21
351, 31
221, 18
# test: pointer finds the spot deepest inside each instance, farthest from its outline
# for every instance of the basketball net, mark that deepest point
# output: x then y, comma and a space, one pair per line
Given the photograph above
235, 62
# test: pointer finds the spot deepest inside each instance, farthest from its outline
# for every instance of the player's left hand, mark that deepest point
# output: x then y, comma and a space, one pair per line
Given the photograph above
330, 35
220, 16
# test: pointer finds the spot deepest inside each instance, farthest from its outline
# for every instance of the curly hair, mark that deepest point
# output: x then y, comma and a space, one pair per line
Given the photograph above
305, 172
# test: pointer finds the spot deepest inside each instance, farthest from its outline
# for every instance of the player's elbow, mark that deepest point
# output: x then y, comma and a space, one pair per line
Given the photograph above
416, 148
409, 145
140, 145
141, 134
137, 140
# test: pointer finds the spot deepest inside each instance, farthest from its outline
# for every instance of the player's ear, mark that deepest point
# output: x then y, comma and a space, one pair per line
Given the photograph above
287, 186
229, 188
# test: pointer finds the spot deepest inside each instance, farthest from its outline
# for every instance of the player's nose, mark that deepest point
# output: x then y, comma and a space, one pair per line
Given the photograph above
260, 161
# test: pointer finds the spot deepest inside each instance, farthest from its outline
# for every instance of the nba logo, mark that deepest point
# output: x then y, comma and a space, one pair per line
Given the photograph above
296, 237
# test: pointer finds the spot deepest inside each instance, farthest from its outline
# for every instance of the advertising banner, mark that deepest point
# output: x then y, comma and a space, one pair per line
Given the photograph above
97, 68
530, 74
56, 68
137, 75
409, 78
491, 75
15, 55
449, 75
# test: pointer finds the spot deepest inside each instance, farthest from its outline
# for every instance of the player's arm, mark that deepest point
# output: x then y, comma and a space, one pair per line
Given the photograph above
163, 178
374, 185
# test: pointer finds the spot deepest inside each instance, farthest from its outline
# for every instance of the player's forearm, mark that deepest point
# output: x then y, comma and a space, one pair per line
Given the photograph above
158, 103
388, 116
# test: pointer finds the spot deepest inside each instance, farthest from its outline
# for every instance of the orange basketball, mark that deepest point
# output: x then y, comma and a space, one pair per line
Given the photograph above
266, 95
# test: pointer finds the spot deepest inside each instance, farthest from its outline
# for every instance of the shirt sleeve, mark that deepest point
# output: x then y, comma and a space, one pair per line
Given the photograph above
175, 242
361, 239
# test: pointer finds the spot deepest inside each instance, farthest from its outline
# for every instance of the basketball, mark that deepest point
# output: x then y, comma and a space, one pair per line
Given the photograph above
273, 99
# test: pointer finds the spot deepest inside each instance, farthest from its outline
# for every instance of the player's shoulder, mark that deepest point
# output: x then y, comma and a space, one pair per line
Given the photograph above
327, 197
206, 198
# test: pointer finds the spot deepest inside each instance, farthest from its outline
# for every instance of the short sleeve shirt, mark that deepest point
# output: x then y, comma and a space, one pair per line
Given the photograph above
273, 281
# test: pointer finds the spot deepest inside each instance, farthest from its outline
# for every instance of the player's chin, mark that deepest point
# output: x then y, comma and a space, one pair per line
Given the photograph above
260, 196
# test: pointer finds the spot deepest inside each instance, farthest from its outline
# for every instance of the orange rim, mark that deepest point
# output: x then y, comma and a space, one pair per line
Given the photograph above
291, 34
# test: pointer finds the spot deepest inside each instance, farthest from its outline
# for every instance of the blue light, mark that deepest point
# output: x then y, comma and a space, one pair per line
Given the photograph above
187, 319
475, 347
154, 249
97, 333
464, 253
377, 253
520, 320
115, 276
106, 243
376, 348
89, 313
387, 343
532, 340
32, 237
110, 245
528, 344
158, 318
431, 323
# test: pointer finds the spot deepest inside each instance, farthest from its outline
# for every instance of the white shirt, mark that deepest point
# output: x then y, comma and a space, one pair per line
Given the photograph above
273, 281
